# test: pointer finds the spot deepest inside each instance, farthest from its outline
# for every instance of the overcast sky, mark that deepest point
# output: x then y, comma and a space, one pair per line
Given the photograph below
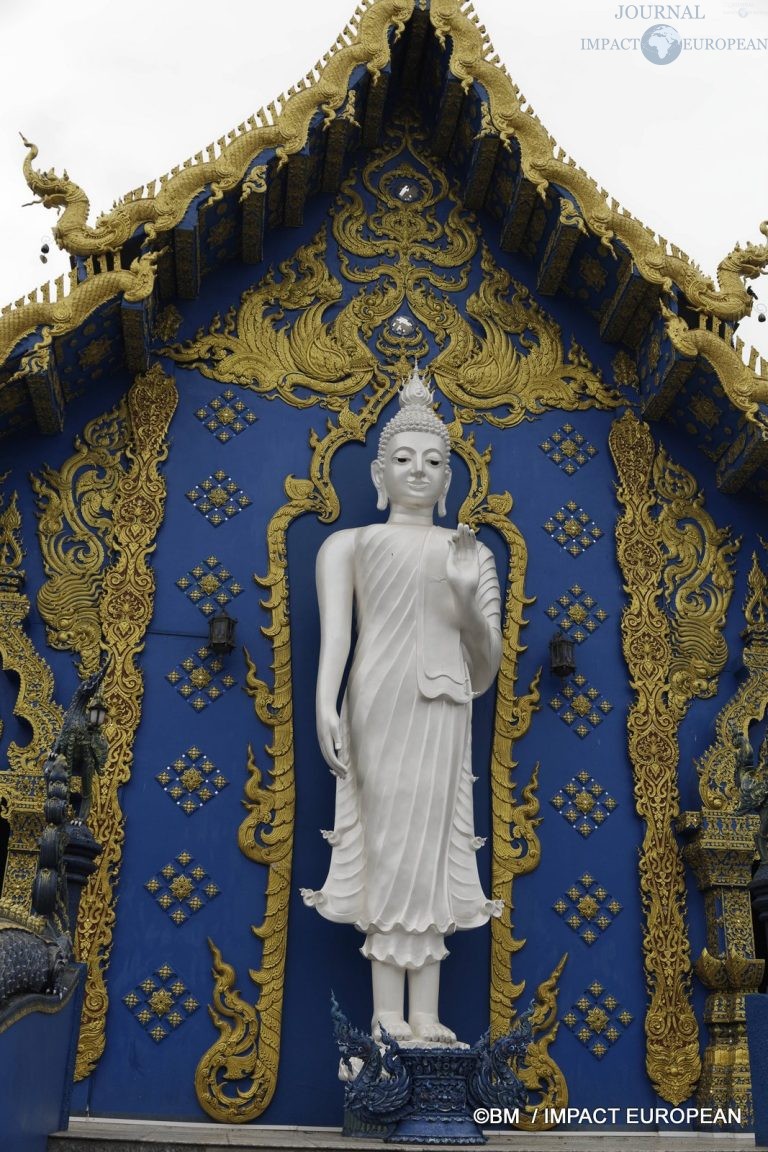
119, 94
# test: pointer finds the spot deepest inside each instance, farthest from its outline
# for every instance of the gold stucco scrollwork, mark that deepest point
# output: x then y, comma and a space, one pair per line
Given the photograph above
248, 1049
304, 362
697, 584
668, 546
75, 528
518, 368
125, 610
22, 787
402, 251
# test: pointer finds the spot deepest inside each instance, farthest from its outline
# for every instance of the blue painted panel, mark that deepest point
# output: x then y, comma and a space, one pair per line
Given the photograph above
37, 1057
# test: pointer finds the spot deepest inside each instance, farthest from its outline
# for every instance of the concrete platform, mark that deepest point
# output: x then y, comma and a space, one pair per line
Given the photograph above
99, 1135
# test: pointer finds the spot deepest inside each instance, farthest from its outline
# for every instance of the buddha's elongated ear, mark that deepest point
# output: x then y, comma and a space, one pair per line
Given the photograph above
441, 508
377, 475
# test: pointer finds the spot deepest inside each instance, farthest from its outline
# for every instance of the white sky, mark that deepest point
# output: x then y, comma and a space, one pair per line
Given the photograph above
120, 93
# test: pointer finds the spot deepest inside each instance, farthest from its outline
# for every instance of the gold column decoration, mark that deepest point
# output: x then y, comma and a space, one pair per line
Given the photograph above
668, 549
75, 530
125, 611
721, 854
749, 703
22, 787
248, 1045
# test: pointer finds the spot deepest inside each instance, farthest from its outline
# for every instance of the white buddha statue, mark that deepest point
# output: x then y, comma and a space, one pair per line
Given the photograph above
426, 603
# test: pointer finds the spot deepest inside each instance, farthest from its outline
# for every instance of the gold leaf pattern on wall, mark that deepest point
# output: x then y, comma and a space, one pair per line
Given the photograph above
415, 252
518, 368
302, 362
125, 611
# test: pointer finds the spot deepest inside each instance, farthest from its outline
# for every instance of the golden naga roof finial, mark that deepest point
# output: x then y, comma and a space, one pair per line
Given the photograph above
51, 190
745, 263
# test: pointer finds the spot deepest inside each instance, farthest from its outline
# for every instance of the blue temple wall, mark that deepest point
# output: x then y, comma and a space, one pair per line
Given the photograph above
586, 851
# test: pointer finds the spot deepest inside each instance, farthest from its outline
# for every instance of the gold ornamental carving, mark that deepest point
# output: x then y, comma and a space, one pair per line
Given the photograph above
22, 786
403, 252
73, 300
716, 767
672, 557
75, 530
301, 363
366, 41
249, 1034
125, 611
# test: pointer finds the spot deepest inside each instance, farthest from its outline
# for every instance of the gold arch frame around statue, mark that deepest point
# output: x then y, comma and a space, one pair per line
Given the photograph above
248, 1046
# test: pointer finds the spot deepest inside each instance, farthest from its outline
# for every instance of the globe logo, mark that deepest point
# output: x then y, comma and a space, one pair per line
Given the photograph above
661, 44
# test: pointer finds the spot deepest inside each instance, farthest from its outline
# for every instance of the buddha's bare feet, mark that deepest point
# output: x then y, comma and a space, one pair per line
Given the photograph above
397, 1028
424, 1026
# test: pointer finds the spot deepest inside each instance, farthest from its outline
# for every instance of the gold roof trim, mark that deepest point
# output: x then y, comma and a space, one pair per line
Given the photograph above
544, 162
284, 126
745, 384
74, 301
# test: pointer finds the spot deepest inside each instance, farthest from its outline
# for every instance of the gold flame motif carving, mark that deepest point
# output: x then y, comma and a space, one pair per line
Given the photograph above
125, 610
668, 546
301, 363
402, 252
518, 367
75, 528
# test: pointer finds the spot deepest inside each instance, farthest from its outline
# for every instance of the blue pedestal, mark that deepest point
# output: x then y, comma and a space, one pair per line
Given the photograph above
440, 1109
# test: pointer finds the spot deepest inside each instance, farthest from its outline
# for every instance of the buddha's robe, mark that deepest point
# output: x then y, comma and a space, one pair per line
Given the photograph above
403, 866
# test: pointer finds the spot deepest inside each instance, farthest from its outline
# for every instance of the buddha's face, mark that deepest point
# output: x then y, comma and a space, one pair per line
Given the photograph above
415, 472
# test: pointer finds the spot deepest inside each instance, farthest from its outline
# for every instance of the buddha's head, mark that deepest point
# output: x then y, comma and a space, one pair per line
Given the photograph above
412, 468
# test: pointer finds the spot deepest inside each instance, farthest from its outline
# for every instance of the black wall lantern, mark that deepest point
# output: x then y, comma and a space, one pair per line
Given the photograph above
561, 655
97, 710
221, 633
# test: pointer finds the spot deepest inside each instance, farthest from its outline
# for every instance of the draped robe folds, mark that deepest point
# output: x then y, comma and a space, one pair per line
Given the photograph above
403, 866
